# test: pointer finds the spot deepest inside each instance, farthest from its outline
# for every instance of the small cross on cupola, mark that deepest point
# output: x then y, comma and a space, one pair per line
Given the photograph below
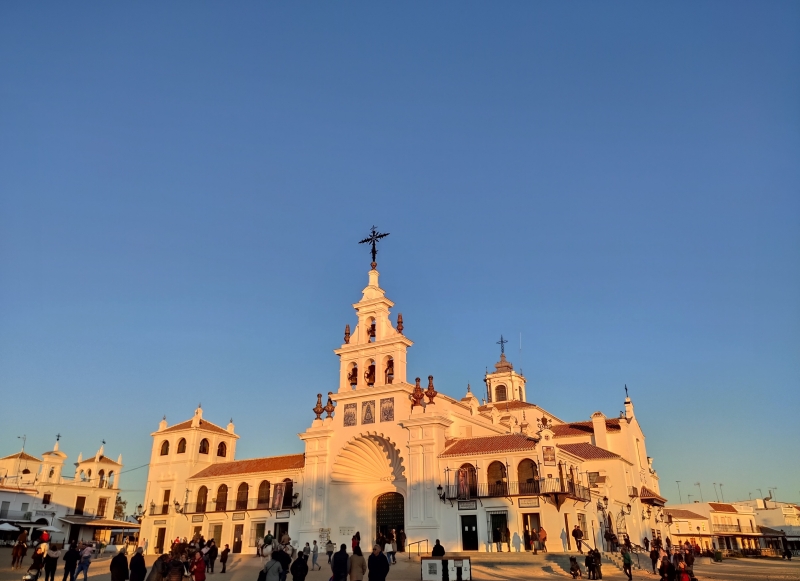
372, 239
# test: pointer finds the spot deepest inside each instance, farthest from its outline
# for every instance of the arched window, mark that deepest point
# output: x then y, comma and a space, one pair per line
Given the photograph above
222, 449
388, 370
102, 477
182, 446
500, 393
89, 474
222, 498
51, 473
496, 476
164, 448
26, 471
528, 477
288, 492
263, 495
111, 477
467, 481
202, 499
204, 446
83, 476
241, 496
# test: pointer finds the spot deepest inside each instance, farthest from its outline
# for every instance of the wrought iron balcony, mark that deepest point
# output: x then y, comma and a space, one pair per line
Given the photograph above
158, 510
227, 506
540, 487
717, 528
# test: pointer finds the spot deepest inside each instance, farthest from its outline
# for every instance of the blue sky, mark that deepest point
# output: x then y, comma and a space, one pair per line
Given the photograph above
182, 187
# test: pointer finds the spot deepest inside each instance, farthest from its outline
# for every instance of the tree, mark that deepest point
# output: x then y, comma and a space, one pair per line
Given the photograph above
120, 506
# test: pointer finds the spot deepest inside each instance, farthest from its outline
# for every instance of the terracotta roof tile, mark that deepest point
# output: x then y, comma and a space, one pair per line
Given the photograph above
488, 445
271, 464
680, 513
22, 456
582, 428
588, 451
647, 494
720, 507
204, 425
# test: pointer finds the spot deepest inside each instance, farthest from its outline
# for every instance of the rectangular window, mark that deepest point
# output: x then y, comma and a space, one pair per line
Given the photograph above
4, 506
165, 503
25, 506
46, 498
582, 524
80, 503
593, 479
101, 507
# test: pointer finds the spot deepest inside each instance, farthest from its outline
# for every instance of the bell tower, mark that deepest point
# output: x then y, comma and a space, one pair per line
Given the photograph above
374, 352
504, 384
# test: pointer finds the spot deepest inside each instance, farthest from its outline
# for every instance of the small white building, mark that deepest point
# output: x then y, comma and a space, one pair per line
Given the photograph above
35, 492
383, 453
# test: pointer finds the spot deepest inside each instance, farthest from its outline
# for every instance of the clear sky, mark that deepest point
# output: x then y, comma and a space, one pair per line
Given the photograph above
182, 186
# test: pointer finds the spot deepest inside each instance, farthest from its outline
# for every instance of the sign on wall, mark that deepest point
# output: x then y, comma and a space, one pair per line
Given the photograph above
198, 517
350, 410
528, 502
237, 516
467, 505
282, 514
368, 412
549, 455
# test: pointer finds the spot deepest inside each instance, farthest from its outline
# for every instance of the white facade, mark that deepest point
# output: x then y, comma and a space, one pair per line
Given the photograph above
389, 452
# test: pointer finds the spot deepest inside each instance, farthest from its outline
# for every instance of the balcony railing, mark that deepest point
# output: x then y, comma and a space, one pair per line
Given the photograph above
21, 515
726, 528
227, 506
539, 487
159, 510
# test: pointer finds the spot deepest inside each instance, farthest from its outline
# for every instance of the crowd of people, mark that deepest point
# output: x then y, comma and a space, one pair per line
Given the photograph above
77, 558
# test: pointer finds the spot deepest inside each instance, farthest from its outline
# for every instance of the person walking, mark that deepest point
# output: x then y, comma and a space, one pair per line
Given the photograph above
497, 539
137, 566
223, 558
51, 563
37, 563
627, 563
654, 558
646, 543
378, 565
577, 534
86, 560
314, 556
339, 564
213, 553
119, 567
273, 568
71, 558
357, 566
438, 549
543, 539
299, 568
329, 548
307, 551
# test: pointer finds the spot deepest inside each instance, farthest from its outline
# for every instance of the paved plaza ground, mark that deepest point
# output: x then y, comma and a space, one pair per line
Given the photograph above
485, 568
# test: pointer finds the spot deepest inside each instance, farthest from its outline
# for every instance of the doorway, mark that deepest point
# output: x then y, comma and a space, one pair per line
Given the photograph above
390, 513
530, 523
160, 535
280, 529
238, 531
469, 532
498, 523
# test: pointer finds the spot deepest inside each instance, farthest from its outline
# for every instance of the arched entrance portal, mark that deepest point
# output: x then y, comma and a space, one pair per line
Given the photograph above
390, 513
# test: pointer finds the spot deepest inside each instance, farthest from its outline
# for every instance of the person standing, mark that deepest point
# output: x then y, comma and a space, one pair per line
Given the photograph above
646, 543
51, 563
37, 563
526, 540
138, 567
314, 556
588, 562
223, 557
307, 551
577, 534
401, 541
71, 558
543, 539
339, 564
497, 539
119, 567
213, 553
357, 566
198, 568
273, 568
299, 568
378, 565
86, 560
654, 558
329, 548
438, 549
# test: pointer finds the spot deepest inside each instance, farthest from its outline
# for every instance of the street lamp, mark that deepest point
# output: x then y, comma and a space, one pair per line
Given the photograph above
440, 492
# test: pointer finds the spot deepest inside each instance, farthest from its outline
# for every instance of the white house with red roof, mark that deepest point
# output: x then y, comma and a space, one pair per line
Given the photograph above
385, 452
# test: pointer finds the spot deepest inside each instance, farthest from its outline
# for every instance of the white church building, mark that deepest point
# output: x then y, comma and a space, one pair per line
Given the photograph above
386, 452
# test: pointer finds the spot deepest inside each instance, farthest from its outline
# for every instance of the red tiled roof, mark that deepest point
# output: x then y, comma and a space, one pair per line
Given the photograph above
719, 507
204, 425
488, 445
588, 451
581, 428
647, 494
680, 513
22, 456
271, 464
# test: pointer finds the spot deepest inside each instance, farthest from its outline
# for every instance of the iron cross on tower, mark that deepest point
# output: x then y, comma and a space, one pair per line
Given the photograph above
502, 342
373, 239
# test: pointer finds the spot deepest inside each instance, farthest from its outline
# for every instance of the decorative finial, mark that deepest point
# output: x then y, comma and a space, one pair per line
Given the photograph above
104, 442
400, 323
418, 395
502, 342
58, 437
330, 406
469, 389
164, 417
230, 421
373, 240
200, 405
626, 390
347, 333
430, 393
318, 409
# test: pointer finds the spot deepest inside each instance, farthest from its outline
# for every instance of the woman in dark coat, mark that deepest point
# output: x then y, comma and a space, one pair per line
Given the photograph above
378, 565
138, 567
299, 568
159, 570
119, 567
